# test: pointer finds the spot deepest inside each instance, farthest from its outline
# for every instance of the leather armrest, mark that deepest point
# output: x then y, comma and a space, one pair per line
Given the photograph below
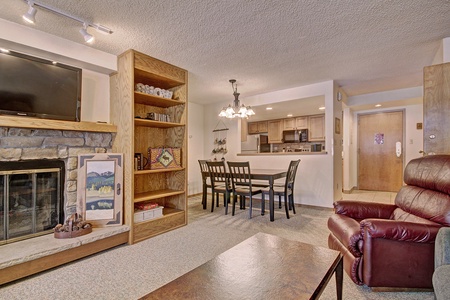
399, 230
363, 210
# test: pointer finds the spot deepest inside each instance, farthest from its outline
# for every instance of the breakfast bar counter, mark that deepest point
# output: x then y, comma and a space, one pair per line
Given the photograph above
281, 153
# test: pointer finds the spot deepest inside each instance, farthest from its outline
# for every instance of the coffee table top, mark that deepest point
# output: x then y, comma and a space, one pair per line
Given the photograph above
262, 267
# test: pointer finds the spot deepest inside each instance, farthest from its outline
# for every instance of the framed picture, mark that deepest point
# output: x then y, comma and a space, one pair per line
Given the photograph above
99, 188
337, 126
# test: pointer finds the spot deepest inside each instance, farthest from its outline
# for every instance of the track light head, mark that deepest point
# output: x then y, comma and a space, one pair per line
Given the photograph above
30, 15
88, 38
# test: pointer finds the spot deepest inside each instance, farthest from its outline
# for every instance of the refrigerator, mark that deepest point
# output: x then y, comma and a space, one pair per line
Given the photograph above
256, 143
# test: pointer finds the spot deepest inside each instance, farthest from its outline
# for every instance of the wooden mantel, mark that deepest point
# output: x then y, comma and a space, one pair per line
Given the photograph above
36, 123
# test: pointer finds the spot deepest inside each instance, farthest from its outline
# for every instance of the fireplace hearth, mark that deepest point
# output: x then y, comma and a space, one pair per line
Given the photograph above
31, 198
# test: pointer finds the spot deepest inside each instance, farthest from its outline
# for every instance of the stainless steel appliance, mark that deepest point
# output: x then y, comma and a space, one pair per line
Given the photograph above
295, 136
256, 143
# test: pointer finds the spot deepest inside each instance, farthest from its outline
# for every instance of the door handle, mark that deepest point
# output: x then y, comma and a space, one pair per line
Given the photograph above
398, 149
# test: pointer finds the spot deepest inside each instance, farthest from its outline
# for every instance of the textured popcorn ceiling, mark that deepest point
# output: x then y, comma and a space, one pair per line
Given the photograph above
267, 45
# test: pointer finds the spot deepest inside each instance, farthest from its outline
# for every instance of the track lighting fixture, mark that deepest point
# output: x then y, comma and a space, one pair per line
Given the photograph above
29, 16
88, 38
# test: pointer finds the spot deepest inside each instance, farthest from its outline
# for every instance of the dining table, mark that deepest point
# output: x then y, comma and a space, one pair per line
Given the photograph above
269, 176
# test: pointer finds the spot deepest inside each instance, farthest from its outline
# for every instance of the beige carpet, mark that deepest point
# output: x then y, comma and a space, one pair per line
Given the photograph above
129, 272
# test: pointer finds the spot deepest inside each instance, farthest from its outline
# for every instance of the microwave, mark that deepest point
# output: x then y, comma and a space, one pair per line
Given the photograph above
295, 136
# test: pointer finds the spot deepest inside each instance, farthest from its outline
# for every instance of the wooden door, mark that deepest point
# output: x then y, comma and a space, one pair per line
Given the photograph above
379, 168
436, 109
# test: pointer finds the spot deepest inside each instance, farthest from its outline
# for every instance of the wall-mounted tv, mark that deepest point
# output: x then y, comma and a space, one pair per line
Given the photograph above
35, 87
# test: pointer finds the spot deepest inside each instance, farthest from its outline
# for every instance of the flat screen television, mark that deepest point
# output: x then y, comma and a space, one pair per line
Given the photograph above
35, 87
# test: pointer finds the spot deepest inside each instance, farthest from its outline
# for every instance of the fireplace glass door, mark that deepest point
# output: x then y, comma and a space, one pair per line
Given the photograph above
29, 203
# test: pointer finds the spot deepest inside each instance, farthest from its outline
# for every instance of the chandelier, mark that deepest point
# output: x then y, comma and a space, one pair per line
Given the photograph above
236, 110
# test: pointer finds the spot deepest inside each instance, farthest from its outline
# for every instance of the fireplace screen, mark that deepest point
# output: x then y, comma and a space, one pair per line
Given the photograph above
30, 202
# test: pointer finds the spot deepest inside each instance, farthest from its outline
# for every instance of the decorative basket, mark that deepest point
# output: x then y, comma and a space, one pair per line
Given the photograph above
71, 222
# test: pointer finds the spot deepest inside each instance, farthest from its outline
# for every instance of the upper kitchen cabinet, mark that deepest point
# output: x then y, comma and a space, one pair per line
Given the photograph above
257, 127
295, 123
436, 109
316, 128
275, 131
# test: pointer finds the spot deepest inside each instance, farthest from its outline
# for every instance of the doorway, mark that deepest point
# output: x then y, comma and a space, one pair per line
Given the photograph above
380, 165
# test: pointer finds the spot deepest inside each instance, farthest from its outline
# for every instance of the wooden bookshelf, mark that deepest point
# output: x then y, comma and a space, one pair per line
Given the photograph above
136, 134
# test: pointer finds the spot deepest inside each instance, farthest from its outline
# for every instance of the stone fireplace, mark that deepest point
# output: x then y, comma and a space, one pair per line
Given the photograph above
30, 147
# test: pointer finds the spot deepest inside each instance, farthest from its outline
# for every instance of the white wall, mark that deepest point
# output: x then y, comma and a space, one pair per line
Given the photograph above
96, 65
195, 146
314, 181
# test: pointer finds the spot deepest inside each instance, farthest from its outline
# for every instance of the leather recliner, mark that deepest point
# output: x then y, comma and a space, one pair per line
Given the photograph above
392, 245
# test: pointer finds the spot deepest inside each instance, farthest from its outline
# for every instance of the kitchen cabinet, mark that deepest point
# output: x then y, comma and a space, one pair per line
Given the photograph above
316, 131
295, 123
244, 130
136, 135
436, 109
275, 131
257, 127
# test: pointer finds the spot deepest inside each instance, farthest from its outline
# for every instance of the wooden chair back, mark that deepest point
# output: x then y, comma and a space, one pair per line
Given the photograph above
290, 176
240, 174
217, 172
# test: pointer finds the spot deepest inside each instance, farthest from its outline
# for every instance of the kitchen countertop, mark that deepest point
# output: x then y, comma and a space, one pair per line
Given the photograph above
282, 153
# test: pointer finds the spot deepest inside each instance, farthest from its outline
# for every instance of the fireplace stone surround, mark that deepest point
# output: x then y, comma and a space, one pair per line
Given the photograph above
17, 144
23, 258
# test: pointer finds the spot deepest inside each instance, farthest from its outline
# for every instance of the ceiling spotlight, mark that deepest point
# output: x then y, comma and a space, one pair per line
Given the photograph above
31, 13
87, 37
377, 105
322, 108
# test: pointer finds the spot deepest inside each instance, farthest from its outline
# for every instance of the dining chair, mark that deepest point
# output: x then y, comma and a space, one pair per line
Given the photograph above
241, 184
206, 183
220, 183
286, 191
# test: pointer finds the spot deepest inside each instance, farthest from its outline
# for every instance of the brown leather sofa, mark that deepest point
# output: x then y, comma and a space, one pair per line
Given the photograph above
392, 246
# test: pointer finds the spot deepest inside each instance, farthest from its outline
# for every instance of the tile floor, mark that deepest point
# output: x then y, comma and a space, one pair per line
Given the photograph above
370, 196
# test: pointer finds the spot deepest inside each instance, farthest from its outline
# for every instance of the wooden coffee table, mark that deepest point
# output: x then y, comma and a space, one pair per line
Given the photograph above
262, 267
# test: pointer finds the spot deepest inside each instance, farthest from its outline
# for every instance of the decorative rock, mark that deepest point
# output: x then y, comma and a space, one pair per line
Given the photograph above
63, 152
72, 175
43, 132
39, 153
7, 154
21, 142
73, 134
55, 141
98, 139
19, 132
72, 163
77, 151
71, 186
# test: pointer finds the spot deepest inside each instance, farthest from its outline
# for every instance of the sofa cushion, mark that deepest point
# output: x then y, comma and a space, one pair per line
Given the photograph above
440, 282
348, 232
417, 204
429, 172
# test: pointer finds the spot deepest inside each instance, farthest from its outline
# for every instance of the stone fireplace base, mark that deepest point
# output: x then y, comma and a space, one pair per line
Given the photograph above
31, 256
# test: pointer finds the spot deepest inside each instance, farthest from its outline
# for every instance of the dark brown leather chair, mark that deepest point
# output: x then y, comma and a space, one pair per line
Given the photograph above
392, 246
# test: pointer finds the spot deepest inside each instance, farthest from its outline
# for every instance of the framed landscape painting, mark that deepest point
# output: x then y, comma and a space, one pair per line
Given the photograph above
99, 188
